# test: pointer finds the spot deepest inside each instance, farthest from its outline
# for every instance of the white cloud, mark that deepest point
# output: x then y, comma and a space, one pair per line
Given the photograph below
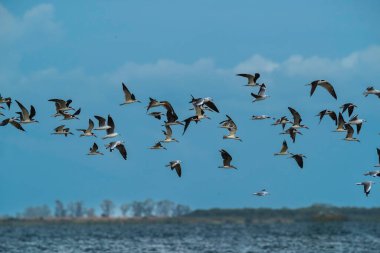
38, 20
256, 63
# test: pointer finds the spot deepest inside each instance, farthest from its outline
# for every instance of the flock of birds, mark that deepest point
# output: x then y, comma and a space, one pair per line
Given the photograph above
200, 105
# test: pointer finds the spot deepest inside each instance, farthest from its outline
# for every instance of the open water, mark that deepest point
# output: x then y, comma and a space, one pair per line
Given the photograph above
125, 237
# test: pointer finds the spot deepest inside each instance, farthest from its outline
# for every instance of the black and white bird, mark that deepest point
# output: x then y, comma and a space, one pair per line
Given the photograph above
61, 104
349, 107
156, 115
168, 135
323, 83
119, 145
94, 150
129, 97
373, 91
373, 173
13, 122
341, 126
367, 185
356, 121
296, 119
25, 116
260, 117
88, 131
261, 193
284, 149
281, 121
292, 133
158, 145
68, 116
7, 101
61, 130
175, 165
203, 103
102, 123
227, 158
350, 133
252, 79
110, 131
298, 158
332, 115
261, 95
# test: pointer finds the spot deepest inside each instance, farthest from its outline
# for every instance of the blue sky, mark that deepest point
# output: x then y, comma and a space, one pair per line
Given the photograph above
169, 50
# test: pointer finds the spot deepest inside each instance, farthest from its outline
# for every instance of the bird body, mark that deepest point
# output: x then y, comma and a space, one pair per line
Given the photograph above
298, 158
119, 145
88, 131
129, 98
373, 91
252, 79
94, 150
25, 116
261, 95
61, 130
350, 133
260, 117
261, 193
367, 185
176, 164
227, 158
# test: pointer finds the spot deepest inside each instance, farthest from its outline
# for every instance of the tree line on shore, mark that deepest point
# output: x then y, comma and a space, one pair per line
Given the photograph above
77, 209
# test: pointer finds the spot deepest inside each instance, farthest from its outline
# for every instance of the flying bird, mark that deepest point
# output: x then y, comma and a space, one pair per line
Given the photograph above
119, 145
158, 145
373, 91
227, 158
62, 105
13, 122
156, 115
168, 135
350, 133
129, 98
281, 121
260, 117
374, 173
252, 79
341, 124
102, 123
349, 107
94, 150
202, 102
261, 95
367, 186
88, 131
175, 165
356, 121
7, 101
298, 158
332, 115
68, 116
323, 83
25, 116
292, 133
61, 130
261, 193
110, 131
296, 119
284, 149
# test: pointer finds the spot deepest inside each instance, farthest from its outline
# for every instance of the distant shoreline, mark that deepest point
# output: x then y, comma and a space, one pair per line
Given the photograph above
314, 213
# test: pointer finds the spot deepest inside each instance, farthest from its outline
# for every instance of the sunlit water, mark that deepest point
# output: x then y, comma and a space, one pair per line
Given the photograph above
125, 237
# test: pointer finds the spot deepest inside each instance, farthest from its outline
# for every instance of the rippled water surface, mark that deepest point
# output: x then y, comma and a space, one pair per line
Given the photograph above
125, 237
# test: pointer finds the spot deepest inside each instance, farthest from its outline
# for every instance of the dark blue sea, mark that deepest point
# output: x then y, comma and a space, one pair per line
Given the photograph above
131, 237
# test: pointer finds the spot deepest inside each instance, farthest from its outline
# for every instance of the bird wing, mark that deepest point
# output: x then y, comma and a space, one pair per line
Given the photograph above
262, 90
333, 117
171, 116
350, 110
354, 118
378, 153
313, 87
299, 160
25, 113
341, 121
17, 125
102, 121
4, 122
350, 131
358, 127
296, 116
284, 147
59, 128
111, 124
178, 169
61, 102
77, 112
94, 147
32, 112
227, 158
232, 130
127, 93
212, 106
169, 131
321, 115
90, 125
152, 101
329, 88
122, 151
250, 77
187, 123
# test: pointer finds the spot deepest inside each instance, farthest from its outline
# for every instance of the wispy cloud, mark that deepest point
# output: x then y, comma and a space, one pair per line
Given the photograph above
39, 19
